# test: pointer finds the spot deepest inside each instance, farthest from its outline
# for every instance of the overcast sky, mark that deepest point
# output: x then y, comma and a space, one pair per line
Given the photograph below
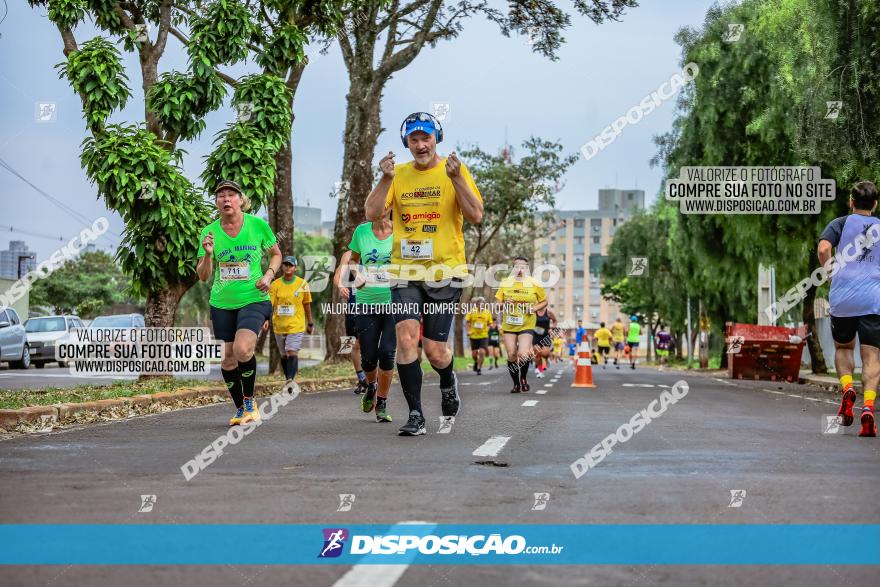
495, 86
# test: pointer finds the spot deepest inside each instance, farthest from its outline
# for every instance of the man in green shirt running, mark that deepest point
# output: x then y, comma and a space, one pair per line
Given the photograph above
367, 259
632, 339
230, 250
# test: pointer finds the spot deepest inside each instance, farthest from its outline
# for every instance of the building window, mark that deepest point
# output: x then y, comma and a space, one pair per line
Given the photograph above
578, 273
578, 222
629, 196
595, 240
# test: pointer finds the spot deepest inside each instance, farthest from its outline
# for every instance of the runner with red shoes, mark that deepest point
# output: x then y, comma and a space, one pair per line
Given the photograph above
855, 301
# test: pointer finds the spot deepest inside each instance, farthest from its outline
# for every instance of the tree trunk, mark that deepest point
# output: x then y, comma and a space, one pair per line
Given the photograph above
161, 307
814, 345
362, 128
280, 211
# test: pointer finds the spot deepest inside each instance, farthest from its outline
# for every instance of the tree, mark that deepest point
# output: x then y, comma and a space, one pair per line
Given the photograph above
407, 28
136, 167
88, 285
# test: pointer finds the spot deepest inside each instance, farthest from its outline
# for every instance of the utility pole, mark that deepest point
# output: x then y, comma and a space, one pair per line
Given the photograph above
690, 350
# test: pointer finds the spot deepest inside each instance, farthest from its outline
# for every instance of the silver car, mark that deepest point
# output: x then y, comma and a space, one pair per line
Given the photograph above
44, 332
13, 340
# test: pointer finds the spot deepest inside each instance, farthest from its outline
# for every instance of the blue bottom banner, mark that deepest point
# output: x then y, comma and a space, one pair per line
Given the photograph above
453, 544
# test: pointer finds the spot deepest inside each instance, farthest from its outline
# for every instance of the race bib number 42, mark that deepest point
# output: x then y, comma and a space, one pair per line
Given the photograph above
235, 271
417, 250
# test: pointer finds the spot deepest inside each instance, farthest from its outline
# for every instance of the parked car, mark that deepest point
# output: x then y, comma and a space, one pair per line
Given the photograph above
44, 332
13, 340
118, 321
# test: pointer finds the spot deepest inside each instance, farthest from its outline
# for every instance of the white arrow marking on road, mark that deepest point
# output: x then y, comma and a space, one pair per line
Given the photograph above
548, 385
542, 391
530, 403
491, 447
367, 575
638, 385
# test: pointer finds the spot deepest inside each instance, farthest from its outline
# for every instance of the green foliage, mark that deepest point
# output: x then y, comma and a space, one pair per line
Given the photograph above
67, 13
181, 101
106, 17
163, 213
96, 72
86, 285
271, 101
242, 154
220, 35
284, 48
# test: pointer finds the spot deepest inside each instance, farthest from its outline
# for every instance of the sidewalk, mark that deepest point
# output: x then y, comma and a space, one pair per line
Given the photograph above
825, 381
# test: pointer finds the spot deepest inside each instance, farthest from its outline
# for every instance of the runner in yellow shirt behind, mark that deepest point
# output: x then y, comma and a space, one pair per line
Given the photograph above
522, 296
603, 342
291, 316
618, 338
477, 323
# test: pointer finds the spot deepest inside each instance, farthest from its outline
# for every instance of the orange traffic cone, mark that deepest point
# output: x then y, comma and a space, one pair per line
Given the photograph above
583, 373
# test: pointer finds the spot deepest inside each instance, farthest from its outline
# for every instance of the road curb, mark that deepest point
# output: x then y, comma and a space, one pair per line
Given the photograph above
25, 419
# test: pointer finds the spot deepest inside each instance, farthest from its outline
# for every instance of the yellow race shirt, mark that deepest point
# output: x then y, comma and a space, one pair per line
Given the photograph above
603, 337
522, 292
480, 322
288, 316
617, 332
557, 345
427, 223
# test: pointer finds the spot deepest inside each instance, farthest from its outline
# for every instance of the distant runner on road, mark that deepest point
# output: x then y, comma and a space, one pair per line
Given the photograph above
522, 296
855, 301
477, 323
603, 343
231, 249
494, 344
430, 196
663, 342
632, 339
291, 317
545, 322
618, 338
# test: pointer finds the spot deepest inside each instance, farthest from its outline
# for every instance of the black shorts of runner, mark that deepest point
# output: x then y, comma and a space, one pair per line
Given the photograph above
545, 341
411, 300
479, 343
378, 338
250, 317
844, 330
494, 343
603, 350
633, 345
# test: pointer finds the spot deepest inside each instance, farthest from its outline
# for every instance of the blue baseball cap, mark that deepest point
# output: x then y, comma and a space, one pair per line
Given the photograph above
426, 126
289, 260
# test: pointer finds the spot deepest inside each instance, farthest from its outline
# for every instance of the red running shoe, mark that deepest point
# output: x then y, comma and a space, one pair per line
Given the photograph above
846, 407
869, 427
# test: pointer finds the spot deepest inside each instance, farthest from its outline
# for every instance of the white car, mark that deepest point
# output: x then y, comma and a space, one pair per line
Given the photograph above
13, 340
44, 332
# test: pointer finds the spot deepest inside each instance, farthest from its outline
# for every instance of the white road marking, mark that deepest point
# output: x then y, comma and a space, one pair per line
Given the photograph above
548, 385
368, 575
793, 395
723, 381
530, 403
491, 447
541, 391
638, 385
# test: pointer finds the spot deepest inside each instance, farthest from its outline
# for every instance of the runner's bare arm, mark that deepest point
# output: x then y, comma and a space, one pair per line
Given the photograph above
348, 257
205, 267
307, 308
374, 207
824, 251
471, 206
274, 264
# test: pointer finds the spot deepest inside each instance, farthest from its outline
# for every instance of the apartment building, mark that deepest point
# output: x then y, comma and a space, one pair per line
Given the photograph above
577, 242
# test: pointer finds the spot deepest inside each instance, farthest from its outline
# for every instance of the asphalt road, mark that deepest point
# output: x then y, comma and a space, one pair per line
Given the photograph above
764, 438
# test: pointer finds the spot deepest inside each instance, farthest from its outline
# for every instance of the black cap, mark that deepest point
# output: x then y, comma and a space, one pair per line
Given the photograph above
226, 183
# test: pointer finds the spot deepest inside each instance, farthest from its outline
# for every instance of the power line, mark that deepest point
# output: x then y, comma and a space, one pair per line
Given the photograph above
53, 237
64, 207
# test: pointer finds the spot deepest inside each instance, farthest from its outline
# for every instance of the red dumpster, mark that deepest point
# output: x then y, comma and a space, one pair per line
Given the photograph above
764, 352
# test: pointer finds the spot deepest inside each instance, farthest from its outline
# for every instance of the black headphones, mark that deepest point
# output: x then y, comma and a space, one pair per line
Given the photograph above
421, 117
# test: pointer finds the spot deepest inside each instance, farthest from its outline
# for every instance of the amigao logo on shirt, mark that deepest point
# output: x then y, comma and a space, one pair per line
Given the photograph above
420, 216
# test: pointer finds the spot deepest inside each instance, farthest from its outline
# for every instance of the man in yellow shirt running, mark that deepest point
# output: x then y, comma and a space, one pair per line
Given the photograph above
291, 316
430, 197
603, 342
617, 337
477, 323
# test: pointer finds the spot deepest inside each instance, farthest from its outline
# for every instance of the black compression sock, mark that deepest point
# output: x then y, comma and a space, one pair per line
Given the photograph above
513, 369
411, 381
233, 384
248, 371
446, 375
524, 370
292, 366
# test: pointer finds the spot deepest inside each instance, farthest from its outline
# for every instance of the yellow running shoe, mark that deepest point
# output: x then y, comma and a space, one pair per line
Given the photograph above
236, 419
251, 412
